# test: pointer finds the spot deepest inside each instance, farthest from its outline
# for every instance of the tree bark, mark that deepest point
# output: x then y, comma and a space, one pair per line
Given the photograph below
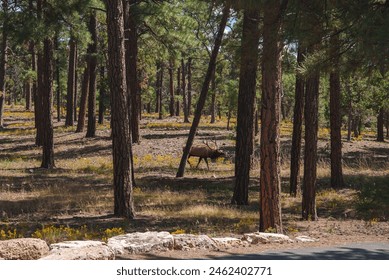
204, 90
71, 81
84, 100
38, 103
183, 90
92, 61
158, 90
380, 125
213, 97
335, 118
295, 157
28, 94
387, 123
121, 137
47, 101
76, 88
246, 106
171, 88
270, 181
189, 86
58, 80
178, 91
3, 61
131, 46
103, 93
310, 155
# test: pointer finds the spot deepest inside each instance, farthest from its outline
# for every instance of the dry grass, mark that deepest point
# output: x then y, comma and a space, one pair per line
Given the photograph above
79, 191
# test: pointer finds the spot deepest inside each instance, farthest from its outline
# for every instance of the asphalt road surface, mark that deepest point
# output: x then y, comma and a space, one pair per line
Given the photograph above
354, 251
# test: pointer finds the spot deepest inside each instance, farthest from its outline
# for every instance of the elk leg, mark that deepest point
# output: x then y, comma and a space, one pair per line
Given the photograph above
206, 161
199, 162
189, 162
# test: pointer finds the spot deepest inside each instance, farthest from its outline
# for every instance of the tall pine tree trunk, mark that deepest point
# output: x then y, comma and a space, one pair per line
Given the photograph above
171, 88
131, 46
213, 97
103, 93
58, 80
295, 157
189, 86
84, 100
28, 94
121, 138
71, 83
204, 90
160, 88
335, 118
246, 104
92, 60
270, 181
157, 87
183, 90
178, 91
3, 60
47, 101
380, 125
310, 155
38, 106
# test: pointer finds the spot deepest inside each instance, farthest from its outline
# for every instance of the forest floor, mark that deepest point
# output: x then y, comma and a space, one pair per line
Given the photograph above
75, 200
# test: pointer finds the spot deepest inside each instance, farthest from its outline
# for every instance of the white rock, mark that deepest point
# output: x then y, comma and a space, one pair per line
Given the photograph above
139, 242
228, 242
304, 238
186, 242
264, 237
76, 244
80, 250
23, 249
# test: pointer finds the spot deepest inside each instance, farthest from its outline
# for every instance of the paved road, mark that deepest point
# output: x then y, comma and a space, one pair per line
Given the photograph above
354, 251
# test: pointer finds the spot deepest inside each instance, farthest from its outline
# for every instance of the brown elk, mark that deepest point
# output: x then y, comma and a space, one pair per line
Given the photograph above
205, 152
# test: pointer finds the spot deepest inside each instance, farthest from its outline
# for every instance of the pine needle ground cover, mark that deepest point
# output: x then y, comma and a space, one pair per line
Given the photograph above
75, 200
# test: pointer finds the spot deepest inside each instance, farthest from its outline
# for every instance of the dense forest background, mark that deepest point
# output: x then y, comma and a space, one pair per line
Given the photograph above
103, 103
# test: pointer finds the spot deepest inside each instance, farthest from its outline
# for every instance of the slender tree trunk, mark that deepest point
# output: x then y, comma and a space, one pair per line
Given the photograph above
38, 106
103, 93
183, 90
387, 124
47, 97
28, 94
131, 46
84, 100
246, 106
310, 155
178, 91
270, 181
71, 83
92, 60
204, 90
189, 86
3, 60
58, 80
171, 88
76, 88
157, 88
336, 118
160, 88
380, 125
213, 97
295, 157
121, 137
